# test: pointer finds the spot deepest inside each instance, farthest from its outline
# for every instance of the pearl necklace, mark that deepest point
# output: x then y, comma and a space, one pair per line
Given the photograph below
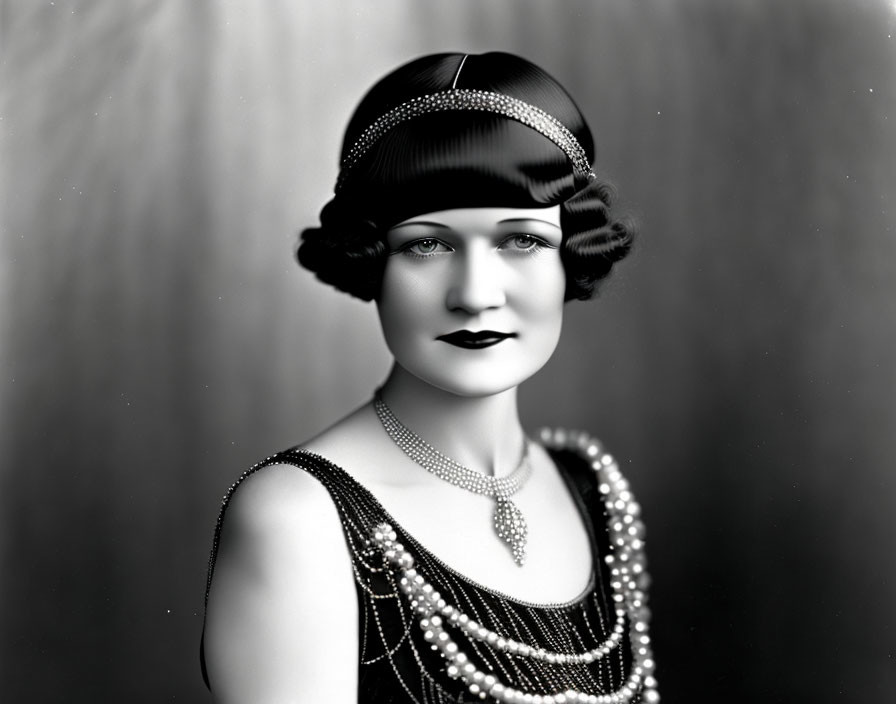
628, 582
509, 522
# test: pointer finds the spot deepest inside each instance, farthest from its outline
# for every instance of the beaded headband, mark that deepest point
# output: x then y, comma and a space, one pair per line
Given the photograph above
466, 99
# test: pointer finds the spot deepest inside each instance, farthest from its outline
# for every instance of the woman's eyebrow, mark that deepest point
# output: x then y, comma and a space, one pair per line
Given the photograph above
538, 220
424, 223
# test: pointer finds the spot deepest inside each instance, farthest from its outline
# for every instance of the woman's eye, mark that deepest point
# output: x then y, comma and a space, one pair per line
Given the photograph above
425, 247
522, 243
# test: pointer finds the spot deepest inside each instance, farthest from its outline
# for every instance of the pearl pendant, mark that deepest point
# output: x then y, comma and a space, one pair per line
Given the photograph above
510, 525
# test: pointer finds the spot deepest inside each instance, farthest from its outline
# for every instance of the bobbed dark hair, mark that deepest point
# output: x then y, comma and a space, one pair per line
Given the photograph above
462, 159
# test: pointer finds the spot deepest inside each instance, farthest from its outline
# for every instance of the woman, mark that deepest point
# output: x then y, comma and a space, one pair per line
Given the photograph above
430, 551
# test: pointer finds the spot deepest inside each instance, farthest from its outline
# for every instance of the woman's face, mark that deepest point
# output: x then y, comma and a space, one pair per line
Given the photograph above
472, 298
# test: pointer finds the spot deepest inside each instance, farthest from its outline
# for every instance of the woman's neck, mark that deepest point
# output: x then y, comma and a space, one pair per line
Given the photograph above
482, 433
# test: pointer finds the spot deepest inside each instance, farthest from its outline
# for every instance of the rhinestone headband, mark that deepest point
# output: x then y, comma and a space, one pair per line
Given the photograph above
478, 100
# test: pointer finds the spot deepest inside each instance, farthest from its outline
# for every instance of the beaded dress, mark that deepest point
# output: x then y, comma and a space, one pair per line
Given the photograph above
429, 635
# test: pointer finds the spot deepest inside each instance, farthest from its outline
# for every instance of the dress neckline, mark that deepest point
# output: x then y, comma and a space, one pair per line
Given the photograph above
421, 549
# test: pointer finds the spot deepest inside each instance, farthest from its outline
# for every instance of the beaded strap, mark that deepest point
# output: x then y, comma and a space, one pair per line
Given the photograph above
476, 100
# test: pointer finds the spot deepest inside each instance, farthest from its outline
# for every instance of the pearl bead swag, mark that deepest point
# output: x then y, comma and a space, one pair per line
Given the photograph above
628, 581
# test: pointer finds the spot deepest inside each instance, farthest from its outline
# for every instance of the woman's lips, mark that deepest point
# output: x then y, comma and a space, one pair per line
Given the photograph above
470, 340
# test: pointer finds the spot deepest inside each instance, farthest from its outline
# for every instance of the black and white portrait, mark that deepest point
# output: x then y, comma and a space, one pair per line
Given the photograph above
418, 351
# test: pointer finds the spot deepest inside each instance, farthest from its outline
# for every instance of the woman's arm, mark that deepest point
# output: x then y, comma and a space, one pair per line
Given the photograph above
281, 624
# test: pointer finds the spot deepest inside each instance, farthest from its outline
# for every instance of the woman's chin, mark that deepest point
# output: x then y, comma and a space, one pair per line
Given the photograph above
477, 389
476, 381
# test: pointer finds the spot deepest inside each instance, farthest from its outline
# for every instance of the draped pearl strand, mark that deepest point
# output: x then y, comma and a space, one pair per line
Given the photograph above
628, 583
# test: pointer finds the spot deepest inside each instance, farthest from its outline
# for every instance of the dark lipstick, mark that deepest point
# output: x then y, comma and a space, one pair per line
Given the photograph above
475, 340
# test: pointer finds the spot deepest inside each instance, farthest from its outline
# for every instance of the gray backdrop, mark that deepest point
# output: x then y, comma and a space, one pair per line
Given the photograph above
158, 158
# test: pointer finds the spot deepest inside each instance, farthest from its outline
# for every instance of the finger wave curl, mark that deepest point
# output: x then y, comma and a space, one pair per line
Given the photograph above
592, 239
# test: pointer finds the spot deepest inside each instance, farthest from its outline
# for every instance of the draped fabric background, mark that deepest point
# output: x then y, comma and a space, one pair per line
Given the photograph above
156, 338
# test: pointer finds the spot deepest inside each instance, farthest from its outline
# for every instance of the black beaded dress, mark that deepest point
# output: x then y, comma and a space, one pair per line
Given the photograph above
398, 662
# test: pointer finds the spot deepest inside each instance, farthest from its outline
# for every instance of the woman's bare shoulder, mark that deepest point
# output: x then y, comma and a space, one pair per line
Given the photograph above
282, 588
278, 497
281, 525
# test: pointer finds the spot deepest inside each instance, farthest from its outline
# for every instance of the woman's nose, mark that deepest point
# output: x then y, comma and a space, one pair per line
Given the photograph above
477, 283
